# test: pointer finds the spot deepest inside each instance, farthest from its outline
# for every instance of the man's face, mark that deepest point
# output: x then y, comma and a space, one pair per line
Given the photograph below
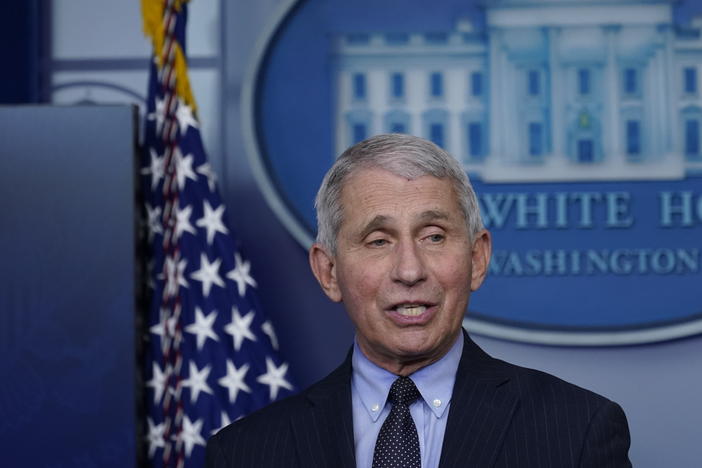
404, 268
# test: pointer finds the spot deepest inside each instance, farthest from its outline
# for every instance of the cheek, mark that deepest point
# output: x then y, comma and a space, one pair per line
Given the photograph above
456, 280
361, 304
359, 288
460, 269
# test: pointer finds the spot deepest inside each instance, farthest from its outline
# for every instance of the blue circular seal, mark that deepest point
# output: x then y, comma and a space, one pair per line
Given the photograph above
583, 141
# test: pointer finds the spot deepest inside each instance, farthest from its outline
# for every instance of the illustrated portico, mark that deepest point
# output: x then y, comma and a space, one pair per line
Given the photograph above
549, 90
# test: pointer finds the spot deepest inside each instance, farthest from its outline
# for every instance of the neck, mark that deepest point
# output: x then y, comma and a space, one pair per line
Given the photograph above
401, 365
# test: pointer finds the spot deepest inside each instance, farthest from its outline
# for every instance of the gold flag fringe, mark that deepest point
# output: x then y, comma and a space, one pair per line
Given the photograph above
152, 12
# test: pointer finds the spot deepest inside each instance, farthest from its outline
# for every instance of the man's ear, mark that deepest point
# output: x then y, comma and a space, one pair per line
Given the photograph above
324, 268
482, 249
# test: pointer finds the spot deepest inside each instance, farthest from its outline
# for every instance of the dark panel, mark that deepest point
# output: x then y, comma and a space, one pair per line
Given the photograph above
23, 29
67, 307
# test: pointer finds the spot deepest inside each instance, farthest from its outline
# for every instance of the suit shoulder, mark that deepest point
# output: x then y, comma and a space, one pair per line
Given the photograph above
276, 416
551, 390
269, 416
241, 442
265, 437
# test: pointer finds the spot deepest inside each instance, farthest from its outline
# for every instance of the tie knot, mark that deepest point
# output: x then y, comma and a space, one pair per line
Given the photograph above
403, 391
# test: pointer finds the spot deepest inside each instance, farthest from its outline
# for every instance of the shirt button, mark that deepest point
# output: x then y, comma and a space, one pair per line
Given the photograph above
375, 408
437, 403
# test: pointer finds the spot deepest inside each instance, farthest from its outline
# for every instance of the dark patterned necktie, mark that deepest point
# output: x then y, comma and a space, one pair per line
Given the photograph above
398, 444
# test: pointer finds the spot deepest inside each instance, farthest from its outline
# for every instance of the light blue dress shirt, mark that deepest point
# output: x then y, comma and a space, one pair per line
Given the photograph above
370, 385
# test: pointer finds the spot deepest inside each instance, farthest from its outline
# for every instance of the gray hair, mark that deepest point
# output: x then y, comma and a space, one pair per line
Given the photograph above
403, 155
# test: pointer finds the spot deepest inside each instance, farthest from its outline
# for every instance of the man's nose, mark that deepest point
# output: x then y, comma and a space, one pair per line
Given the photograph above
409, 268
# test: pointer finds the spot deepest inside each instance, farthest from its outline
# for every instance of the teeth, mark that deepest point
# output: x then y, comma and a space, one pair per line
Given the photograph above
411, 310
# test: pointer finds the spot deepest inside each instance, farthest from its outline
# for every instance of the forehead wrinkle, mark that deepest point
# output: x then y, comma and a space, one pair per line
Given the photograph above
432, 215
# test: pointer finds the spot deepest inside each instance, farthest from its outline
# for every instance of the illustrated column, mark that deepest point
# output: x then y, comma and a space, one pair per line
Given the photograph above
612, 129
497, 93
673, 142
555, 71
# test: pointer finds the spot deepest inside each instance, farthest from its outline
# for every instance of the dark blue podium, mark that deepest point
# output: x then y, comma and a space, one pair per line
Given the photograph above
67, 286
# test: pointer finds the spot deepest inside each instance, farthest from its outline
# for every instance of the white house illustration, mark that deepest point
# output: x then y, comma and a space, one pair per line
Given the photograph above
547, 90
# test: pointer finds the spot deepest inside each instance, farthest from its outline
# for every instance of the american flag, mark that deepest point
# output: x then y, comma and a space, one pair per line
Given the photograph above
211, 356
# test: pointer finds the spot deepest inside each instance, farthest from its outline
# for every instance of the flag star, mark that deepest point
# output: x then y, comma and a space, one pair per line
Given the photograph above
184, 168
240, 328
267, 328
190, 435
185, 117
234, 380
202, 327
155, 437
159, 114
156, 168
197, 381
208, 274
225, 421
274, 378
167, 324
174, 275
157, 382
183, 221
212, 221
206, 170
240, 274
154, 222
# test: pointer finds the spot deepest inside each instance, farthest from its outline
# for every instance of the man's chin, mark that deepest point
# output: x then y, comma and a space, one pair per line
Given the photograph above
418, 353
423, 347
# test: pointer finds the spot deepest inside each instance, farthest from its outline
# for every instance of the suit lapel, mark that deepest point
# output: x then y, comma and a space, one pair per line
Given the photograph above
482, 406
324, 433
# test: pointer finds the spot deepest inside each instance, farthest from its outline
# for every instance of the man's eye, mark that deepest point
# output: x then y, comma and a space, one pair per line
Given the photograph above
378, 242
435, 238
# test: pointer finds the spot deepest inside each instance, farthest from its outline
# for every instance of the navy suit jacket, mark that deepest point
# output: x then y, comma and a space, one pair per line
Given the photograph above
501, 415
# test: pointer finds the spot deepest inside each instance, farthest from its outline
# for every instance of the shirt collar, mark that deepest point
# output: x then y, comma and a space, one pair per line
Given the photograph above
434, 382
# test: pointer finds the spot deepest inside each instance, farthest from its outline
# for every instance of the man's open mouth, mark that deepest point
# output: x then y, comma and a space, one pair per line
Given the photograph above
410, 310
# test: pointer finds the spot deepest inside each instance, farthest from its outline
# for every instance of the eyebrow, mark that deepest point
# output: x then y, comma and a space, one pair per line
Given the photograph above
376, 223
379, 221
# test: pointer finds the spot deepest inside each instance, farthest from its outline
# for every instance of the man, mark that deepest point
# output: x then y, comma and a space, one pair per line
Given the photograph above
400, 242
